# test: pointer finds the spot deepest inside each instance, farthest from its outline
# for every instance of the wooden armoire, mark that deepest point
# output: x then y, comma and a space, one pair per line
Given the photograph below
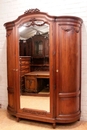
62, 62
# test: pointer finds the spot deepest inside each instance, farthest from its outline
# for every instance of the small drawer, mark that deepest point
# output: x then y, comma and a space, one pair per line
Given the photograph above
24, 62
24, 67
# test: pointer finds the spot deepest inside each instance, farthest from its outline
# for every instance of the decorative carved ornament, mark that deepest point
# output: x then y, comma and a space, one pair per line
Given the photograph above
34, 112
8, 33
67, 29
31, 11
33, 22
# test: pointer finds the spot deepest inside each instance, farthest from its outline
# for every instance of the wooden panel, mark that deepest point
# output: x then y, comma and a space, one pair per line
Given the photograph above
11, 70
10, 61
11, 100
69, 105
28, 47
69, 58
25, 47
30, 84
22, 48
68, 71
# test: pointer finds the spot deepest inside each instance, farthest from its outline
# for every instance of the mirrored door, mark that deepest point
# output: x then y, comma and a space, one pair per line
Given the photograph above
34, 65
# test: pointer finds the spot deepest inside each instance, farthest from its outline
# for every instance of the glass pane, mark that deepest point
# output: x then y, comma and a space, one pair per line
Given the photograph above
34, 66
38, 50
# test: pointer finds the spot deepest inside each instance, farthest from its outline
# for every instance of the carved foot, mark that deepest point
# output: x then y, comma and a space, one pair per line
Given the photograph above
54, 125
18, 119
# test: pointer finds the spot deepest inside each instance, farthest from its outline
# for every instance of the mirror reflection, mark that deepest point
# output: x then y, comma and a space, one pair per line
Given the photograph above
34, 65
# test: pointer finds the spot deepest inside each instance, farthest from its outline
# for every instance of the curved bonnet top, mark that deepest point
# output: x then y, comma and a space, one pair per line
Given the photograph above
31, 13
36, 13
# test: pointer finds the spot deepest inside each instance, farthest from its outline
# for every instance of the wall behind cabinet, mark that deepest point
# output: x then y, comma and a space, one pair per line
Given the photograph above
10, 10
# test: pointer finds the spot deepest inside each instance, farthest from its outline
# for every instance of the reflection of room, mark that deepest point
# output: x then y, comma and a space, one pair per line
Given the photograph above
37, 102
34, 60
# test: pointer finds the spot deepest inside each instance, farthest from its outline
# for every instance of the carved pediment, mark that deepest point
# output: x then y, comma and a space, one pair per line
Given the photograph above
31, 11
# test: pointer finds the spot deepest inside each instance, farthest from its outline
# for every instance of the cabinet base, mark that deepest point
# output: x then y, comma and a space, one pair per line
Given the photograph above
54, 121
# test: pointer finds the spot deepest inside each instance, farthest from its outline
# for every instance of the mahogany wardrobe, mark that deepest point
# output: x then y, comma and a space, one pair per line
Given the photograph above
44, 67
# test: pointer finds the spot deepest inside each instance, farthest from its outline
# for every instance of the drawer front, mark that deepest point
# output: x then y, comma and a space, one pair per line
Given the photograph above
24, 67
24, 62
24, 58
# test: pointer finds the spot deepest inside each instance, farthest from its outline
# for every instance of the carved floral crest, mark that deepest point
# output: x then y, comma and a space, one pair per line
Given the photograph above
31, 11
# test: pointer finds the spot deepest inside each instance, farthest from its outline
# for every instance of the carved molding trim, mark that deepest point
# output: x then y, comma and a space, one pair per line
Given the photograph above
31, 11
33, 22
67, 29
8, 33
34, 112
68, 95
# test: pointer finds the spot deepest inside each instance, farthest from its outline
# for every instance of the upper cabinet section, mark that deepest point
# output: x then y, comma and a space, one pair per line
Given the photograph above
34, 23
